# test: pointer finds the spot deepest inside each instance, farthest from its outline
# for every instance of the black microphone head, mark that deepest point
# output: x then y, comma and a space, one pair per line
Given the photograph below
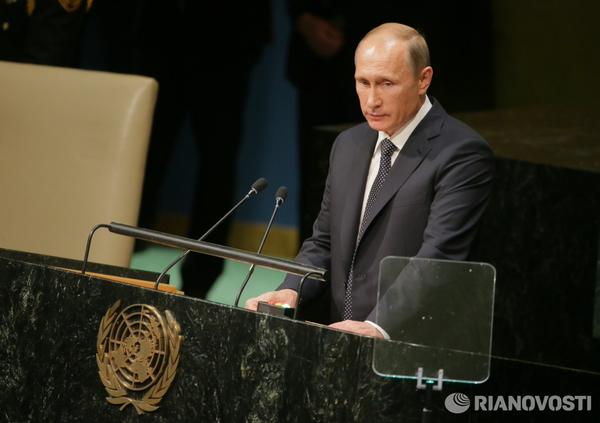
281, 194
259, 185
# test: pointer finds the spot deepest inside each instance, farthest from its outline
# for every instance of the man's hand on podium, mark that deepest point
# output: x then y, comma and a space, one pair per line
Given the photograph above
360, 328
285, 296
289, 297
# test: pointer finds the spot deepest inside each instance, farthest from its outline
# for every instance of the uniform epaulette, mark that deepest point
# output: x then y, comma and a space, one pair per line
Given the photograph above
70, 5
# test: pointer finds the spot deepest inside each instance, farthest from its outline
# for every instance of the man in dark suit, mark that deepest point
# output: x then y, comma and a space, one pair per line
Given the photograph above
320, 64
411, 181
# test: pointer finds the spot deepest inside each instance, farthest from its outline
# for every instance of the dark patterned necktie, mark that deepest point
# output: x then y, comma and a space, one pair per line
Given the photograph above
385, 164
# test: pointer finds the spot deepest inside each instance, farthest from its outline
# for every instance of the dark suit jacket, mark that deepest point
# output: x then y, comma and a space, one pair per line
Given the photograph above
429, 206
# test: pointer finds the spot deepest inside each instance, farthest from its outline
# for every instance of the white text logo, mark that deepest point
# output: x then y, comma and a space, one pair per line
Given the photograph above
458, 403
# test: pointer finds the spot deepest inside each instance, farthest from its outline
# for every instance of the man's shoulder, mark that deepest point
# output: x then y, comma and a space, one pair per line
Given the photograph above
354, 140
456, 125
454, 131
450, 125
450, 136
357, 134
350, 142
458, 138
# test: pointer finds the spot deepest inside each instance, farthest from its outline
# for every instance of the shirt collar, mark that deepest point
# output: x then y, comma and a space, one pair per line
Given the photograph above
401, 136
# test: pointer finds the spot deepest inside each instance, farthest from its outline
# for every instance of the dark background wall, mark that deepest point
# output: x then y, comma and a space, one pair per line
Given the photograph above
546, 52
486, 55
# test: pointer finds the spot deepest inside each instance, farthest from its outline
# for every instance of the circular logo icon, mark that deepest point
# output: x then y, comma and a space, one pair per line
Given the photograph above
137, 352
137, 346
457, 403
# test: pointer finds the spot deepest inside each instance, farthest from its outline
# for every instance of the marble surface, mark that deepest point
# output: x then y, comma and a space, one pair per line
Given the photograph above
540, 231
235, 365
67, 263
560, 136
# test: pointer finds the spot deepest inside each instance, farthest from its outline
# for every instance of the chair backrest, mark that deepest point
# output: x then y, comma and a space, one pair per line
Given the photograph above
73, 149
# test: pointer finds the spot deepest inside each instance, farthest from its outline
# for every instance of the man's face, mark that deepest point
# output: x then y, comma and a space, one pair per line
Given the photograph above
389, 92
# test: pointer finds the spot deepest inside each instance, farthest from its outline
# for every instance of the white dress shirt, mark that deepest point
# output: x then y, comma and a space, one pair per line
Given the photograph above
398, 139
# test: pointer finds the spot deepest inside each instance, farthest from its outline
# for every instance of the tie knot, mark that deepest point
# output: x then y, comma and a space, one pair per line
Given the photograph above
387, 147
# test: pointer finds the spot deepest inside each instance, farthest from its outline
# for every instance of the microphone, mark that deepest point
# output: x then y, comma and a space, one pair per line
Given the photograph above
258, 185
280, 197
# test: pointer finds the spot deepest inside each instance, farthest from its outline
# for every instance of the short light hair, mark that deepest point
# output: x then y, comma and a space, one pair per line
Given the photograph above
418, 51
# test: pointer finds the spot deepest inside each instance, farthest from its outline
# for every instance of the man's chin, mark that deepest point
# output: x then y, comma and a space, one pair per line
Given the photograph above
376, 125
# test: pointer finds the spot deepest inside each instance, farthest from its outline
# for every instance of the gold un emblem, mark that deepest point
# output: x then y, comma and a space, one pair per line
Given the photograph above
137, 355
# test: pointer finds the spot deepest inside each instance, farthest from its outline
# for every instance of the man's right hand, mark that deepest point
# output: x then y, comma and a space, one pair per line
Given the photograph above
284, 296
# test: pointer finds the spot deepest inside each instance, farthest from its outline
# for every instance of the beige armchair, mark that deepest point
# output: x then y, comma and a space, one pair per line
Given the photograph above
72, 154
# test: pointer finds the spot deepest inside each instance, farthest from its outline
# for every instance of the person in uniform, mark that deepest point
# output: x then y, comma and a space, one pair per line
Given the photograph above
44, 32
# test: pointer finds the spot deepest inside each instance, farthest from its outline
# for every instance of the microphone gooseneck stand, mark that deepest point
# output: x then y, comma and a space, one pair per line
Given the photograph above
257, 187
280, 198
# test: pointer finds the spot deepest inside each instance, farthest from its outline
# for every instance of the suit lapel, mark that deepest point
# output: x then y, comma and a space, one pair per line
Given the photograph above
355, 188
410, 157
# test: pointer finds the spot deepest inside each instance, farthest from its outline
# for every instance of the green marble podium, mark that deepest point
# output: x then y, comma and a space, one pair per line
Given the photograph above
233, 366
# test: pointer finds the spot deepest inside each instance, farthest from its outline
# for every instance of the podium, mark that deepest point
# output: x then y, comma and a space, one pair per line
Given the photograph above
233, 365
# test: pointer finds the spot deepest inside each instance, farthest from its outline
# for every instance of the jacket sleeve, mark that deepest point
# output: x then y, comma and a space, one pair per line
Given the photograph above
461, 190
316, 250
462, 187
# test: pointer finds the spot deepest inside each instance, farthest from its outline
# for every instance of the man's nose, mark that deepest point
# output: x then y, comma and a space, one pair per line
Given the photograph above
373, 100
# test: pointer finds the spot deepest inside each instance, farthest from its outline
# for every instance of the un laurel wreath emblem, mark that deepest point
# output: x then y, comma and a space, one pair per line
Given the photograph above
137, 355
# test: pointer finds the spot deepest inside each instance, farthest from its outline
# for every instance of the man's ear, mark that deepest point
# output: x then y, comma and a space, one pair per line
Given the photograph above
425, 79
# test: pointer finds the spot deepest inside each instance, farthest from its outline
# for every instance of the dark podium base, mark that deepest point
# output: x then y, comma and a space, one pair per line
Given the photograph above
235, 365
